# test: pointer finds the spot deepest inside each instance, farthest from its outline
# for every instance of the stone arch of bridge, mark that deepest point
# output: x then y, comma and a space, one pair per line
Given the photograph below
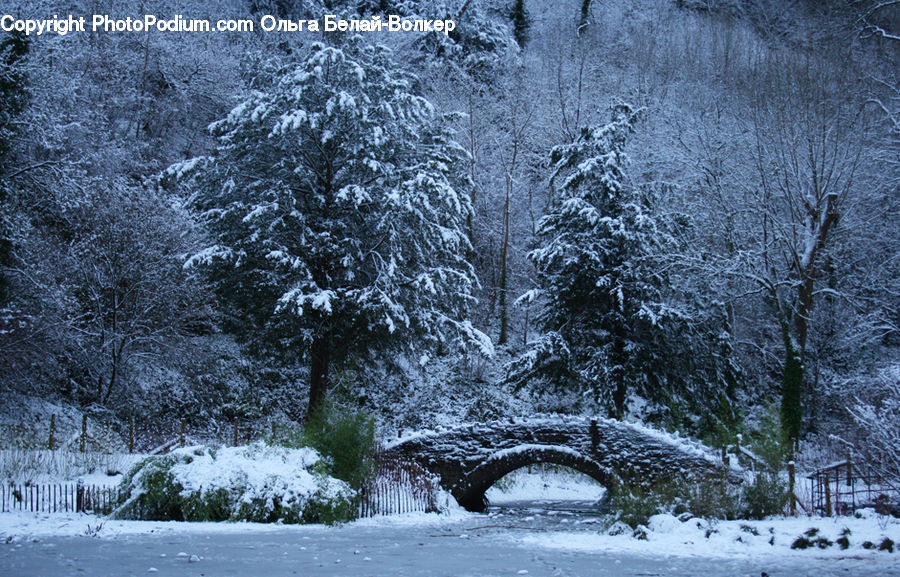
470, 494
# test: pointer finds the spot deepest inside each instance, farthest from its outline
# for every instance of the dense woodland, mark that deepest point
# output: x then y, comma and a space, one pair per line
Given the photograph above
679, 211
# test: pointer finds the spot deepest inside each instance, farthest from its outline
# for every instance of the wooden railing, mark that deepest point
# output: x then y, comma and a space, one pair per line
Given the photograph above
58, 498
398, 487
843, 487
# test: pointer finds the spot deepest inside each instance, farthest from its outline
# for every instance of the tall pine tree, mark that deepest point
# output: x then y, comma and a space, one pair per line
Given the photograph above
337, 228
588, 262
611, 329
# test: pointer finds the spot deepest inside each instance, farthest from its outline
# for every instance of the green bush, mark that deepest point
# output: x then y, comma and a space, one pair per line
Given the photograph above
214, 505
634, 505
844, 539
709, 499
801, 542
159, 496
346, 440
713, 499
766, 497
768, 441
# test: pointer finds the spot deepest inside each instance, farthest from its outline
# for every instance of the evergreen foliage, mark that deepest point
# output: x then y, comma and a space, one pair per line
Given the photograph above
521, 22
13, 98
611, 331
592, 243
232, 484
707, 499
765, 497
337, 228
346, 439
792, 392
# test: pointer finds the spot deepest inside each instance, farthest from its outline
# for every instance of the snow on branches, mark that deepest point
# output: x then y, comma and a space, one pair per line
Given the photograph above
334, 212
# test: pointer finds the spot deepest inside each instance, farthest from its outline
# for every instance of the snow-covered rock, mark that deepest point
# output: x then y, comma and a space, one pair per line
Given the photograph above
663, 523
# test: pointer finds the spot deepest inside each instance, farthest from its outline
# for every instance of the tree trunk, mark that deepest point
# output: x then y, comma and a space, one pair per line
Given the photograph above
585, 14
318, 375
520, 23
617, 376
504, 252
473, 147
791, 387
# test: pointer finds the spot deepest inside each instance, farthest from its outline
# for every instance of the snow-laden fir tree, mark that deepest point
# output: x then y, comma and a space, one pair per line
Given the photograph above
338, 230
588, 263
521, 21
610, 328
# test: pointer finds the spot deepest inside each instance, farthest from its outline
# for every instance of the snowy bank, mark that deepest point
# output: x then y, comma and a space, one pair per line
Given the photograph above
667, 536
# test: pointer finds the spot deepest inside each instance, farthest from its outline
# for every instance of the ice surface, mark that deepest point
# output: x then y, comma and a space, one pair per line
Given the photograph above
428, 545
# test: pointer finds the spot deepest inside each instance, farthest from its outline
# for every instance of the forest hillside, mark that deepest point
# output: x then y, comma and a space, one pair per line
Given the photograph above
679, 212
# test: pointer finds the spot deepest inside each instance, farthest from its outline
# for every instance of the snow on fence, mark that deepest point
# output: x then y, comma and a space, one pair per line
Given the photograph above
398, 487
58, 498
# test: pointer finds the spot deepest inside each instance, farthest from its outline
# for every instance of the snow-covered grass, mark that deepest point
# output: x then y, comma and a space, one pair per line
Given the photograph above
256, 482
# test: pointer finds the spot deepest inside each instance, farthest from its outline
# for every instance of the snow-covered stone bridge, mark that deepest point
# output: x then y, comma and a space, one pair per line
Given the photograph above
469, 459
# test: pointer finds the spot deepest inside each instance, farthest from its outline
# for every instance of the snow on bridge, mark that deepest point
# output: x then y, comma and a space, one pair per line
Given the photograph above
470, 458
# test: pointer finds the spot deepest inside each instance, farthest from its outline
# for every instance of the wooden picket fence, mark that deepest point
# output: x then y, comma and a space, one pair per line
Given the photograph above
58, 498
398, 487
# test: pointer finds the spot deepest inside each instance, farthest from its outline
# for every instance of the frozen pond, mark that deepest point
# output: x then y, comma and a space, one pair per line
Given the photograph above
517, 539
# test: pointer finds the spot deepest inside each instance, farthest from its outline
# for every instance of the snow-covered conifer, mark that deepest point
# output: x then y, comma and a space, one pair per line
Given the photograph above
612, 329
337, 230
589, 260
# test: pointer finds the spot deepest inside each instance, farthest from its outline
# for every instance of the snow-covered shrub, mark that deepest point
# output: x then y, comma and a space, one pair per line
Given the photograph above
257, 483
709, 499
765, 497
844, 540
634, 505
811, 538
713, 500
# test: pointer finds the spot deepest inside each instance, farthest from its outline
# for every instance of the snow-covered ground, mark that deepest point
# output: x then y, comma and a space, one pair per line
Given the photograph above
731, 539
430, 545
511, 540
